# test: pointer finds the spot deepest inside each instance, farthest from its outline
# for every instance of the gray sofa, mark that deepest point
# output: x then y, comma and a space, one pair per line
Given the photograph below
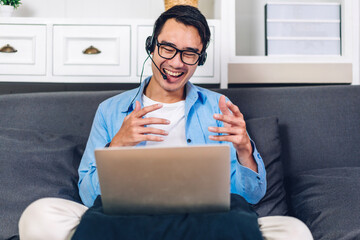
309, 138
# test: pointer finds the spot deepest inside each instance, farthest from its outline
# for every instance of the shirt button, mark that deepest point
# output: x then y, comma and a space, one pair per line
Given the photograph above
188, 140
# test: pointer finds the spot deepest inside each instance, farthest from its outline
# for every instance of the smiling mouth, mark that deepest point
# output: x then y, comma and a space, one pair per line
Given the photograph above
173, 74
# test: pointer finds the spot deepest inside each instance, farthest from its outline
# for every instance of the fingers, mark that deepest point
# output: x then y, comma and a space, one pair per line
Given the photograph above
149, 130
234, 128
138, 113
232, 134
142, 112
142, 137
135, 128
222, 105
236, 139
234, 109
241, 143
223, 138
137, 106
228, 108
139, 134
226, 130
149, 134
230, 119
231, 114
152, 120
153, 138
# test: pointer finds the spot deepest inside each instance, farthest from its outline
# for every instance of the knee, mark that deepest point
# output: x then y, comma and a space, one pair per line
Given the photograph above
33, 218
50, 218
299, 229
283, 227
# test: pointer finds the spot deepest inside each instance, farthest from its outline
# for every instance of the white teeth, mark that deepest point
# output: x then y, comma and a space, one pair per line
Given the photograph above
172, 73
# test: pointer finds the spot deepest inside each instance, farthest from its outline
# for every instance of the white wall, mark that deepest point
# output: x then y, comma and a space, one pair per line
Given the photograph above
100, 9
250, 27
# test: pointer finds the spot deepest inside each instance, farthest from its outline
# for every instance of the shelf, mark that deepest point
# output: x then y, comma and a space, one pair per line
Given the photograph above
284, 69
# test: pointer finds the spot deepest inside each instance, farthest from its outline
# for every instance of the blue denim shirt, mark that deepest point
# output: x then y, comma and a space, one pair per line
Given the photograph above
200, 105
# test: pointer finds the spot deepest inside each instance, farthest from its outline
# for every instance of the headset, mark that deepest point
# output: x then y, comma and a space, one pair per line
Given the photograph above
150, 47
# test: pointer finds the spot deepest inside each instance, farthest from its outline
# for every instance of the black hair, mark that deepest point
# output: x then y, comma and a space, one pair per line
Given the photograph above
187, 15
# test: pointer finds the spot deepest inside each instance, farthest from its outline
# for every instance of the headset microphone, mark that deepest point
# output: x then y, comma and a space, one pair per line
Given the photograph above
150, 47
162, 74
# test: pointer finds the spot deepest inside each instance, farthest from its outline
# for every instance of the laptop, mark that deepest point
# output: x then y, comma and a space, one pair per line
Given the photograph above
164, 180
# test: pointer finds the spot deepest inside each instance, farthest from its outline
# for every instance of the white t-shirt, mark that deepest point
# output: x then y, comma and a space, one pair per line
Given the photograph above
175, 113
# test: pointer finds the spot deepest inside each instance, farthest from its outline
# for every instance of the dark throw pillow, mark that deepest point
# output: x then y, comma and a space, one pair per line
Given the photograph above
34, 165
265, 133
327, 201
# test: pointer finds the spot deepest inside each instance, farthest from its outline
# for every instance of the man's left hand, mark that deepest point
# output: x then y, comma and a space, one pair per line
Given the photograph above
234, 131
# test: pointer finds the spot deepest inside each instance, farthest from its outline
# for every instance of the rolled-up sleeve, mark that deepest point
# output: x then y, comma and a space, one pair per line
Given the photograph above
88, 178
246, 182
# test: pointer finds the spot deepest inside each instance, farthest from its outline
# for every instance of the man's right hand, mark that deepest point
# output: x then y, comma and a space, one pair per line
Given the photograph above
134, 128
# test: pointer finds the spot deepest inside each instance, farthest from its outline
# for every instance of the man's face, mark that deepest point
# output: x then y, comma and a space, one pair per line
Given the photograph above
177, 72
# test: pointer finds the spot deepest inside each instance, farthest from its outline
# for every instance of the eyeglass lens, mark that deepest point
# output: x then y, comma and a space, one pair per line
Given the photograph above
168, 52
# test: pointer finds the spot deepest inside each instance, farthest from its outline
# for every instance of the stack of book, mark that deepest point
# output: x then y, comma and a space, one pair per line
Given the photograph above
303, 29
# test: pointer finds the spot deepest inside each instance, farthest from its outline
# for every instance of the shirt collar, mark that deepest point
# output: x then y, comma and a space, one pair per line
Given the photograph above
135, 95
193, 93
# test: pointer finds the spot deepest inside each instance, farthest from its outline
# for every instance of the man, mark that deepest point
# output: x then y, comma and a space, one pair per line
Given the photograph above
176, 50
166, 110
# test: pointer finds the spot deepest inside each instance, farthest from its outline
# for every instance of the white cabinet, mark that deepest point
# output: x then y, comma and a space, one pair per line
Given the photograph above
87, 51
91, 50
23, 49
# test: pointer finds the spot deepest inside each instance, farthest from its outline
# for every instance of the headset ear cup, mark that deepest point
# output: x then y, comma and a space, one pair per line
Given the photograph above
202, 59
149, 45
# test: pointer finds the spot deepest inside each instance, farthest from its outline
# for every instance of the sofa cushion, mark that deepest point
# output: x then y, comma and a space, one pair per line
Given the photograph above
265, 133
34, 165
327, 200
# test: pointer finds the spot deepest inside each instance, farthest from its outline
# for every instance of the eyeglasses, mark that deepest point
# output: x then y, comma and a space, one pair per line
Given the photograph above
169, 52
